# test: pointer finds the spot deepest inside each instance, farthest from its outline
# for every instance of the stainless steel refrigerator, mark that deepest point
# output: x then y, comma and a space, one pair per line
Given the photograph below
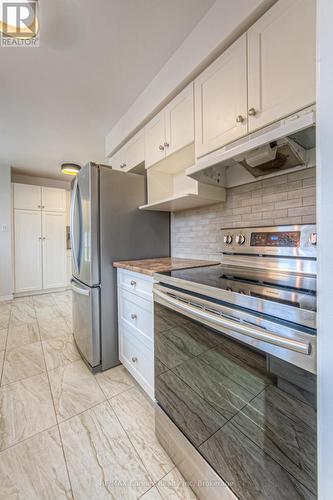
106, 225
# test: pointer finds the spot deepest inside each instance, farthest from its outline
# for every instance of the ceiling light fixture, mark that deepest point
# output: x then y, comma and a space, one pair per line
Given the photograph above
70, 168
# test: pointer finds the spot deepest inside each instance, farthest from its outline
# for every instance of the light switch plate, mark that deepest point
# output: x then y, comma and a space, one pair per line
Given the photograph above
4, 228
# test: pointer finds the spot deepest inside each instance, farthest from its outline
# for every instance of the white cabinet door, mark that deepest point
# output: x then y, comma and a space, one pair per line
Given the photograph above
179, 121
282, 61
53, 199
27, 197
135, 151
221, 100
155, 139
28, 250
54, 249
118, 160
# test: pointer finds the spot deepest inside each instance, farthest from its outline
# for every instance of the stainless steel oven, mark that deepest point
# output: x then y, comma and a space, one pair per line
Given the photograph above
235, 367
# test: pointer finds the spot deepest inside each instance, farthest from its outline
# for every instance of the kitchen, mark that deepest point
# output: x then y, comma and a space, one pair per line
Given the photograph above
216, 393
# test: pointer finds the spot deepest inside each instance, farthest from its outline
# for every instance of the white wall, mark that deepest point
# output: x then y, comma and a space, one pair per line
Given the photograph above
325, 257
42, 181
224, 22
5, 235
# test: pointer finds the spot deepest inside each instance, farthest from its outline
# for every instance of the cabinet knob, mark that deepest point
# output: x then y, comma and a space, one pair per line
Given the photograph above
133, 283
161, 148
134, 316
38, 206
39, 237
240, 119
134, 359
123, 165
252, 112
166, 144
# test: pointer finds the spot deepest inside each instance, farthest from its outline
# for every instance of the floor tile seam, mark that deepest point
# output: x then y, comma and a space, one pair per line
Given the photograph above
28, 437
58, 426
134, 448
80, 413
115, 395
20, 379
18, 347
128, 433
5, 349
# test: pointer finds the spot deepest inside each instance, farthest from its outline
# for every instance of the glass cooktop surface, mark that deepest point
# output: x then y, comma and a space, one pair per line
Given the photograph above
285, 288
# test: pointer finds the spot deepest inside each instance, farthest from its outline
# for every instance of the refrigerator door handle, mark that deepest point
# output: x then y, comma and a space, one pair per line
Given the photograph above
80, 291
75, 245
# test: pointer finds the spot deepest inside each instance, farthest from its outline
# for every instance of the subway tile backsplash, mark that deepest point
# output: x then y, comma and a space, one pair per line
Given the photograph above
287, 199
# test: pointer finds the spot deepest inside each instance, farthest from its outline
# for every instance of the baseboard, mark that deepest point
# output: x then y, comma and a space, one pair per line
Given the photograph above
5, 298
40, 292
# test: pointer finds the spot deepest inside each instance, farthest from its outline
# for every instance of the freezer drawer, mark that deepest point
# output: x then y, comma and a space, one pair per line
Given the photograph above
86, 321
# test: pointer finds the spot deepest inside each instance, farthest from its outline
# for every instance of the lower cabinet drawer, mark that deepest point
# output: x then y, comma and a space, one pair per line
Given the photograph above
136, 312
136, 283
137, 358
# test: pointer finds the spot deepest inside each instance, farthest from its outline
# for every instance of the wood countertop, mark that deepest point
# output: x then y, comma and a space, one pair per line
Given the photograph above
152, 266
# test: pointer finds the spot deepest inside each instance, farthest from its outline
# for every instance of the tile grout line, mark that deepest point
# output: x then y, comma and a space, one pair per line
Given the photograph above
57, 424
5, 349
115, 395
127, 434
134, 448
27, 438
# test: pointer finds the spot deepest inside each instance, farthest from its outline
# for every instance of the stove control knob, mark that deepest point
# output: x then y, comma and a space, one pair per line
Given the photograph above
313, 239
227, 239
240, 239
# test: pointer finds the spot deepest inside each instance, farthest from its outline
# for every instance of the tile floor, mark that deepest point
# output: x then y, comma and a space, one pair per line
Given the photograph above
65, 433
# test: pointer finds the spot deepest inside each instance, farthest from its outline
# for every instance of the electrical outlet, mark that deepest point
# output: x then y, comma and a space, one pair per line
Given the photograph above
4, 228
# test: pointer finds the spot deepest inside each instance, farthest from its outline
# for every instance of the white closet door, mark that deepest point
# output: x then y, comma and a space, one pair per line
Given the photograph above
28, 250
53, 199
54, 249
282, 61
27, 197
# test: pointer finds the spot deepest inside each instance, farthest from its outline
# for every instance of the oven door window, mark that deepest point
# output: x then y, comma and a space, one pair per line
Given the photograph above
250, 415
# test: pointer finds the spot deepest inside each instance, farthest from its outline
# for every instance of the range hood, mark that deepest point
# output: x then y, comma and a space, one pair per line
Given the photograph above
284, 146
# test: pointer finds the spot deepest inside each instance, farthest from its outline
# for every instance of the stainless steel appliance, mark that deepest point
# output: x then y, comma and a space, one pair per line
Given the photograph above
286, 145
106, 226
235, 365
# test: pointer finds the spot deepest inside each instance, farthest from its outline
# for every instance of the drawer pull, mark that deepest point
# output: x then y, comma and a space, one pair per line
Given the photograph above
134, 316
134, 359
133, 283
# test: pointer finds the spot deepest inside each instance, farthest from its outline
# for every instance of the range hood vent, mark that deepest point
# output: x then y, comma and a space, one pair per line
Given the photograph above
281, 147
274, 157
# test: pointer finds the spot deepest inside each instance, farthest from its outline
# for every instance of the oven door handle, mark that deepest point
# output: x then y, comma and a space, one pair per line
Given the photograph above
222, 322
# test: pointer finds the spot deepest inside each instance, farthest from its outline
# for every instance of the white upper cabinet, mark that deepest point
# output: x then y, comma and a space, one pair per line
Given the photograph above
221, 100
53, 199
155, 139
117, 161
27, 197
179, 121
135, 151
54, 249
172, 129
130, 155
281, 62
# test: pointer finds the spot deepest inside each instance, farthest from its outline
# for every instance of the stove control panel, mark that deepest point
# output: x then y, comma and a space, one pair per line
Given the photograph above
288, 241
276, 239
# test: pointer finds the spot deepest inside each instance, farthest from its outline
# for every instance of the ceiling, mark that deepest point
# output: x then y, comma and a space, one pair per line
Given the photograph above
58, 101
